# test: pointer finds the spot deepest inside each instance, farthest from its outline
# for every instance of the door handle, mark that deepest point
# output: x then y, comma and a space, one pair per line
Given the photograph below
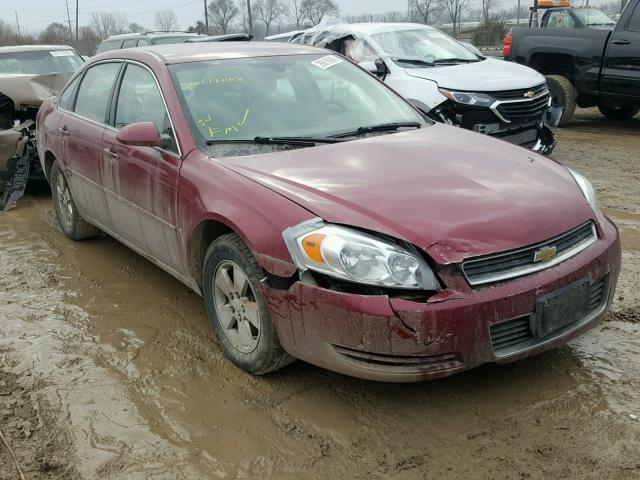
111, 153
64, 131
621, 41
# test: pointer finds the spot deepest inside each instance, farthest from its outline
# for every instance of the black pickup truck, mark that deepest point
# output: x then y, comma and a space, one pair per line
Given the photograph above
585, 66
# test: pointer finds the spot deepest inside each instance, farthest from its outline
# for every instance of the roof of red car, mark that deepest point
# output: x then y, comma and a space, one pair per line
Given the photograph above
194, 52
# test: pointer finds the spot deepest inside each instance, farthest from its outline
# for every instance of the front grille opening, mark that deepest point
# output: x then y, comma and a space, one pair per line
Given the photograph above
515, 335
382, 362
502, 266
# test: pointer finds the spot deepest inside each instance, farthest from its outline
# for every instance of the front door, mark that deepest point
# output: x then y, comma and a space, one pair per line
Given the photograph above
621, 73
142, 181
82, 127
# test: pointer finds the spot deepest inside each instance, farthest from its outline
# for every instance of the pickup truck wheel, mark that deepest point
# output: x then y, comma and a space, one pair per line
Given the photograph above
563, 94
73, 225
236, 309
618, 112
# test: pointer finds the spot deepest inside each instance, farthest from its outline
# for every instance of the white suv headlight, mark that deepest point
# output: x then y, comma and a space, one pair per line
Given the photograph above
469, 98
351, 255
587, 189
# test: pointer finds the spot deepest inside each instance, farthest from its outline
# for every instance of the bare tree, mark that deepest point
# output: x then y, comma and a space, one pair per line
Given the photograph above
222, 13
136, 28
106, 24
165, 20
425, 9
268, 11
488, 7
295, 12
7, 34
454, 9
316, 10
199, 27
88, 40
55, 33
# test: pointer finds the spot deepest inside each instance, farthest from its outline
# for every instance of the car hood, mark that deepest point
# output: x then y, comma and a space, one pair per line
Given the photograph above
32, 90
451, 192
489, 75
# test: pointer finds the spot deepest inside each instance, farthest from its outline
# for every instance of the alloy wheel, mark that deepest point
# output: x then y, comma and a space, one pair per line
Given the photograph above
236, 306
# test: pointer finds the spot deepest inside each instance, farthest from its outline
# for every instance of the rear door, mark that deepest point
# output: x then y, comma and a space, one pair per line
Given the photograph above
142, 181
82, 128
621, 74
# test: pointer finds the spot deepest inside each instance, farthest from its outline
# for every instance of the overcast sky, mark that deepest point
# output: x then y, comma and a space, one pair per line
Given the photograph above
34, 15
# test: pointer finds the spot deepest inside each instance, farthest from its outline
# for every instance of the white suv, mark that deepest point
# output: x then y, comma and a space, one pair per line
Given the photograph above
448, 80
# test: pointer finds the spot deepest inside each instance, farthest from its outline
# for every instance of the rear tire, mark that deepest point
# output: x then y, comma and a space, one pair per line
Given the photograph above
563, 94
71, 222
619, 112
237, 310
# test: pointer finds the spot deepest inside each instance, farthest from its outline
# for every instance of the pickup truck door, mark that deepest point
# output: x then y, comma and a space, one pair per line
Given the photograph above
621, 72
141, 182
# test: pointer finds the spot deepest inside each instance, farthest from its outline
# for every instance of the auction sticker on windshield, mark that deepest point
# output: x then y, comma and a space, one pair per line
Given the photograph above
326, 62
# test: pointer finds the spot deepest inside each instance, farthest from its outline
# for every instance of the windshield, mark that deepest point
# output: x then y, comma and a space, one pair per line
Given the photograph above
40, 62
427, 45
593, 16
311, 96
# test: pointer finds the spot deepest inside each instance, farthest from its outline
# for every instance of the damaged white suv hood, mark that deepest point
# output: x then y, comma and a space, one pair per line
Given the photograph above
489, 75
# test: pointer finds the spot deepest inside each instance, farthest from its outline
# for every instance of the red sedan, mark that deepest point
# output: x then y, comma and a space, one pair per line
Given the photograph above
321, 216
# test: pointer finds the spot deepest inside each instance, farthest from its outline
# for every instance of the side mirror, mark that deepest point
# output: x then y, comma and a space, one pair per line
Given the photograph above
140, 134
377, 68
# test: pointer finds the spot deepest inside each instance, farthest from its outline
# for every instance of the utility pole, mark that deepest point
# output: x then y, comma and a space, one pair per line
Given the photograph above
518, 14
249, 15
69, 18
77, 20
17, 25
206, 17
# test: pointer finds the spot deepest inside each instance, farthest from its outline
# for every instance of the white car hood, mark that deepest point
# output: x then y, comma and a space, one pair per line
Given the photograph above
489, 75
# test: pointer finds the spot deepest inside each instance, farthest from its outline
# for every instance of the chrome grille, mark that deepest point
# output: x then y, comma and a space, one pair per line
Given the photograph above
516, 106
515, 335
519, 93
515, 263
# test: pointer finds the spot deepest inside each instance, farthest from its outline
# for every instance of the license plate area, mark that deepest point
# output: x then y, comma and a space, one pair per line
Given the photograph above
560, 308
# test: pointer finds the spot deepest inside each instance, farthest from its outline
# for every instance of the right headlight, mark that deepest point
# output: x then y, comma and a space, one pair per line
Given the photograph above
587, 189
349, 254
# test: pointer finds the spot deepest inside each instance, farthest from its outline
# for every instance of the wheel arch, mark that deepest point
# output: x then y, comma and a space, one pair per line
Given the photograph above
48, 160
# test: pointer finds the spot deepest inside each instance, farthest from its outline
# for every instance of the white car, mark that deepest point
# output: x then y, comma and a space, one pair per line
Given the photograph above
448, 80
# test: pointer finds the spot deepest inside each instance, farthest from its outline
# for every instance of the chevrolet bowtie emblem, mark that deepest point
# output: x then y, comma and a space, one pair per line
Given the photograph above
545, 254
529, 94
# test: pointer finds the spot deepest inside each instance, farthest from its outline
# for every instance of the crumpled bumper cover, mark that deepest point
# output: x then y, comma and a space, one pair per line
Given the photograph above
396, 340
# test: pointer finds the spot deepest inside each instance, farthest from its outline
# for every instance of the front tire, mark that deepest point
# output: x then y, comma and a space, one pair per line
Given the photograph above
237, 310
563, 94
71, 222
618, 112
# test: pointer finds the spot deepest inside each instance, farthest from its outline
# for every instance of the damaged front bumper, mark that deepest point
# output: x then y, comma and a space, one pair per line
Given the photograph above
17, 154
533, 132
392, 339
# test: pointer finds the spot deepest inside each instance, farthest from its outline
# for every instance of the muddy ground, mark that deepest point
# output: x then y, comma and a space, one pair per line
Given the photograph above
108, 369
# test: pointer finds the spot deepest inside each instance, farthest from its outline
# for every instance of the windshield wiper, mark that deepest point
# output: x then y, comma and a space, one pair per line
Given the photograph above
415, 61
383, 127
456, 60
299, 141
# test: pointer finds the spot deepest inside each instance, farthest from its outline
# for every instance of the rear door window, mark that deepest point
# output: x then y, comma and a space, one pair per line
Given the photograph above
95, 91
67, 97
634, 21
130, 43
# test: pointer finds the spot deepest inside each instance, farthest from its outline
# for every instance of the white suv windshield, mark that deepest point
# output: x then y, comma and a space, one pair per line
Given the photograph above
315, 96
422, 47
40, 62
